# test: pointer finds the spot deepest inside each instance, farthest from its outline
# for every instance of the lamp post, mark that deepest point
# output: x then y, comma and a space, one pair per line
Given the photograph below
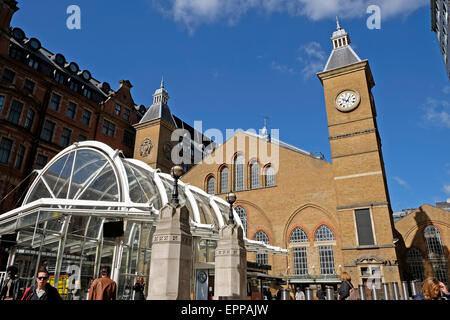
231, 198
176, 172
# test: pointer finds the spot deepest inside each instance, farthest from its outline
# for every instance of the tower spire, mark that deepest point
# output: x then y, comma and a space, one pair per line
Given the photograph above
337, 23
162, 81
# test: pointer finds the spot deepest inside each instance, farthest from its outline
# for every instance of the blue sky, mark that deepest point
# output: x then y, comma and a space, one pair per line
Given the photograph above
230, 63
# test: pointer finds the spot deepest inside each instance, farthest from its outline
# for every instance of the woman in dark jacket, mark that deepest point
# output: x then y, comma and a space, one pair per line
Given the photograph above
139, 289
319, 294
344, 289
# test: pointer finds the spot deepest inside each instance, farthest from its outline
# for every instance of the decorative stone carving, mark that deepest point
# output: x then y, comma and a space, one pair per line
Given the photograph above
145, 148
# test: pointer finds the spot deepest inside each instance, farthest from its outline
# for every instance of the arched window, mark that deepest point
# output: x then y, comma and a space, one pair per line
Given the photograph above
326, 255
262, 258
243, 216
224, 180
270, 176
436, 252
300, 257
210, 185
239, 173
415, 263
254, 175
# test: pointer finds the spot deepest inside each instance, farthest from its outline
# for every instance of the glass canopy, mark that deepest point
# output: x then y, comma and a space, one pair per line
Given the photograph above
61, 221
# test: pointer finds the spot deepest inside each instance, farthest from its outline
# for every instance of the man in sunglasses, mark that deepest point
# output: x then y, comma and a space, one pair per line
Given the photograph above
42, 290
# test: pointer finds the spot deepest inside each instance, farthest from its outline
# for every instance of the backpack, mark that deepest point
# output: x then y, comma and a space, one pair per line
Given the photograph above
354, 293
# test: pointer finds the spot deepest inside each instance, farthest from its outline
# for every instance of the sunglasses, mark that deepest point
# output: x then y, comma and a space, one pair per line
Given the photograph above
42, 278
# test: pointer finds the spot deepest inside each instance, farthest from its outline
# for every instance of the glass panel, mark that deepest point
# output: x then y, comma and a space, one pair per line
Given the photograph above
324, 234
168, 185
300, 261
298, 235
87, 163
142, 186
243, 216
39, 191
58, 175
103, 188
207, 214
326, 257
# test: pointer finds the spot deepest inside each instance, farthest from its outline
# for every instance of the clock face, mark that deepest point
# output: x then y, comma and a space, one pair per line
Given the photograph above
202, 276
347, 100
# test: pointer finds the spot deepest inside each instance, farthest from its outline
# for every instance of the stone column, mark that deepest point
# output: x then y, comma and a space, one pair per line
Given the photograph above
171, 260
230, 280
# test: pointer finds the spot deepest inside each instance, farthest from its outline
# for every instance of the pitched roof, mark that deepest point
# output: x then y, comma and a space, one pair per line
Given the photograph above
159, 111
341, 57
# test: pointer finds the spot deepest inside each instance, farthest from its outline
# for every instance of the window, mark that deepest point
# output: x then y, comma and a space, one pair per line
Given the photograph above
15, 53
270, 177
108, 128
5, 150
254, 175
364, 227
60, 78
41, 161
2, 100
239, 173
73, 86
436, 252
29, 86
29, 119
415, 263
87, 93
117, 110
298, 235
33, 63
326, 258
81, 138
126, 114
15, 112
224, 180
243, 216
326, 255
47, 131
262, 258
8, 76
128, 138
19, 157
71, 109
65, 137
210, 185
55, 101
86, 117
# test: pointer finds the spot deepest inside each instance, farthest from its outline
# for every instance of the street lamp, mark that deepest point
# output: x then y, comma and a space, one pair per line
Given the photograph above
176, 173
231, 198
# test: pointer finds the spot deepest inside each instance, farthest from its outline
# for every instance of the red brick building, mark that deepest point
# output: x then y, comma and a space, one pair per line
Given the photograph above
47, 104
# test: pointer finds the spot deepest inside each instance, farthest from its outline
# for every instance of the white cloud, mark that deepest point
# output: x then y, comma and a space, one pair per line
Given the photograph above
402, 182
282, 68
313, 58
193, 13
437, 112
447, 189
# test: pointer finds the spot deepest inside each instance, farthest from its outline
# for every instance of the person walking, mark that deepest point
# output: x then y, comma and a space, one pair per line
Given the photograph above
319, 293
41, 290
9, 289
139, 289
346, 287
433, 289
103, 288
299, 294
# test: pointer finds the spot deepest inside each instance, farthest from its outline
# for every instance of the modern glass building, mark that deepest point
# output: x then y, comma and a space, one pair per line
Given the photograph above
440, 23
64, 221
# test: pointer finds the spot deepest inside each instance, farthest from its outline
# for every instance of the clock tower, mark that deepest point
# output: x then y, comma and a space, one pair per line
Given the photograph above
362, 199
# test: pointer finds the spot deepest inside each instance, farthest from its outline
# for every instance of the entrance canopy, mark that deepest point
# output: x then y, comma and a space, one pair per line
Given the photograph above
89, 179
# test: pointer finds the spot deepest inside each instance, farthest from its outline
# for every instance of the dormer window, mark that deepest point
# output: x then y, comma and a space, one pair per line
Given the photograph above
87, 93
33, 63
73, 85
59, 78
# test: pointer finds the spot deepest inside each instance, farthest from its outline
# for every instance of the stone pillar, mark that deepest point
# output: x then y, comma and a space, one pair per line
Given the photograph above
230, 280
171, 260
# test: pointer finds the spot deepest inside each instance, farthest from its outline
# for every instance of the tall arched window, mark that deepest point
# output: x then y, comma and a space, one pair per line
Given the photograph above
239, 173
270, 176
300, 257
211, 185
224, 180
254, 175
243, 216
415, 264
436, 252
326, 255
262, 258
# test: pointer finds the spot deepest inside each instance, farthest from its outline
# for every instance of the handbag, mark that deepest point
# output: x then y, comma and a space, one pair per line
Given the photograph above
354, 293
